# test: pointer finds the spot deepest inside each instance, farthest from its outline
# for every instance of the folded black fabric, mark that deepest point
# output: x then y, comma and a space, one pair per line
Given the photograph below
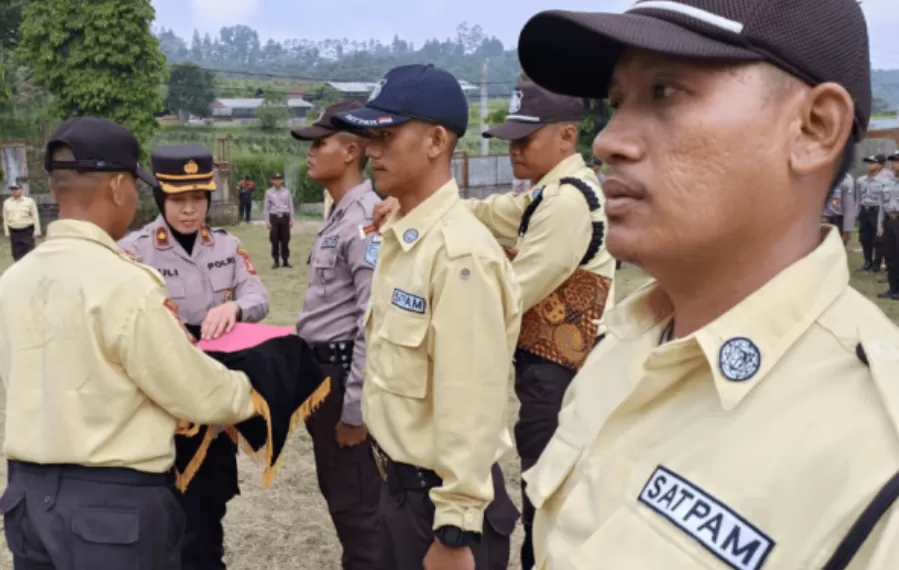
288, 386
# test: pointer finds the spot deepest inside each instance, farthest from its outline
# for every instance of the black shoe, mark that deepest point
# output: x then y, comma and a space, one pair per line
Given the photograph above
865, 267
275, 265
886, 294
876, 269
287, 265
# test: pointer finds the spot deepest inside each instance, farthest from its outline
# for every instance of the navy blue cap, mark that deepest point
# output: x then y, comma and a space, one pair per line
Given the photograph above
421, 92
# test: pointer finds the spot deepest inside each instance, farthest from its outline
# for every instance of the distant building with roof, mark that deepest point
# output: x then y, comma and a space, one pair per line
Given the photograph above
243, 111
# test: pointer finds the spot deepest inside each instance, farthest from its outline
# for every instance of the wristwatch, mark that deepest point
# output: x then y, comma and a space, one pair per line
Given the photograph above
455, 537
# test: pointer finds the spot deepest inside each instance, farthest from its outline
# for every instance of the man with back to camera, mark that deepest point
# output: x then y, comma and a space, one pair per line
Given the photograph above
441, 328
97, 371
747, 412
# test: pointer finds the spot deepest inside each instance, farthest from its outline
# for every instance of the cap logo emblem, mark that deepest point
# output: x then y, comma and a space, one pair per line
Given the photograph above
377, 90
515, 102
191, 167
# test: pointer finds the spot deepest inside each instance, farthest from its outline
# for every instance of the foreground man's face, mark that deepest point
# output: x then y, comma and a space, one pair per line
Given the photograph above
686, 147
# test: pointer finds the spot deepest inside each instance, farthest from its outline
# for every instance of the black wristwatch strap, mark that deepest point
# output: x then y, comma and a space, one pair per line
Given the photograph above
455, 537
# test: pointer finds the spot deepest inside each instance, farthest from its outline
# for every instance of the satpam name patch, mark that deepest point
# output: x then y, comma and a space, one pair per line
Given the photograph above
707, 520
408, 301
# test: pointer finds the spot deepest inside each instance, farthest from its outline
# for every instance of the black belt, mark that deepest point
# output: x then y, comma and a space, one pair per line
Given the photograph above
893, 217
402, 476
339, 352
114, 475
869, 208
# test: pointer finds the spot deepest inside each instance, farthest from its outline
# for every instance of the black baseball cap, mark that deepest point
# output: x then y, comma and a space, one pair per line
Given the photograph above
323, 125
277, 176
533, 107
99, 145
797, 36
15, 186
895, 156
875, 159
183, 168
420, 92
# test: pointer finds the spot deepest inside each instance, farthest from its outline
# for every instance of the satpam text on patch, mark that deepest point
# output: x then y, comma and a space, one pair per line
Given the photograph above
707, 520
330, 242
408, 301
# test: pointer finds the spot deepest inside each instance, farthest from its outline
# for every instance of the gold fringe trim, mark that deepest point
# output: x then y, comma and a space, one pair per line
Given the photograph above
303, 413
187, 429
182, 480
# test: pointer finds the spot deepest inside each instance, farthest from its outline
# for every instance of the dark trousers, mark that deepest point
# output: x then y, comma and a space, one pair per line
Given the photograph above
867, 235
891, 252
348, 480
279, 235
408, 518
540, 386
81, 518
244, 205
205, 504
22, 241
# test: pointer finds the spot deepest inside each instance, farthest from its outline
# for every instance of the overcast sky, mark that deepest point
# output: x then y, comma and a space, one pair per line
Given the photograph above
419, 20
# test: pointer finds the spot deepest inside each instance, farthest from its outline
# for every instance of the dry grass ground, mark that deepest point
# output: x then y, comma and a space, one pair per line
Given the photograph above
287, 527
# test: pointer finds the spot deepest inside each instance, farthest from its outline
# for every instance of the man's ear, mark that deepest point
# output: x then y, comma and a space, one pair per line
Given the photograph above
440, 141
116, 188
351, 152
826, 116
568, 133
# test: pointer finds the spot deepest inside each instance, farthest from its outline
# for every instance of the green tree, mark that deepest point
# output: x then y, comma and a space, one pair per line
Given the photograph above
273, 112
98, 58
191, 90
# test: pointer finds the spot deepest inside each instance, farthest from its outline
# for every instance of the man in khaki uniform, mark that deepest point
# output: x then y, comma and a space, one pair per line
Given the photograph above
21, 222
560, 261
97, 371
742, 410
444, 316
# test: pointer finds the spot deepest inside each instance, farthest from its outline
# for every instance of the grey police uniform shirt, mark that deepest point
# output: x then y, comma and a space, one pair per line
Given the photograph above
841, 202
889, 202
870, 188
278, 202
218, 270
340, 271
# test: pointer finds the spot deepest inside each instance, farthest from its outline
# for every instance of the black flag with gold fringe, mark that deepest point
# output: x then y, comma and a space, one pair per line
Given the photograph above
288, 386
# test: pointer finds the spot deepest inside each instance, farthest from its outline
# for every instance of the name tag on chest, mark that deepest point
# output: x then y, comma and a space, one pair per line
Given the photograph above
707, 520
408, 301
330, 242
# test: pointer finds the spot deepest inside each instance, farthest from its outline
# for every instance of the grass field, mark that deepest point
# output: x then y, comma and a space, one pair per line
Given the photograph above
287, 526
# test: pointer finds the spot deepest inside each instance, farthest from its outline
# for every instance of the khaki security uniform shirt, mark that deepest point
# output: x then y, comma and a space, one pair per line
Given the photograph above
218, 270
752, 444
97, 369
559, 232
19, 213
441, 329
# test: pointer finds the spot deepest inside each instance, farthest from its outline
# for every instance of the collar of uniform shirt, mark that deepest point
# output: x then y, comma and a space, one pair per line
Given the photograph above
77, 229
772, 318
562, 169
352, 196
423, 217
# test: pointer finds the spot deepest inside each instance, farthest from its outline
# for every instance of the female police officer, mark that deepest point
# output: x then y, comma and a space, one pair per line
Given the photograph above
214, 285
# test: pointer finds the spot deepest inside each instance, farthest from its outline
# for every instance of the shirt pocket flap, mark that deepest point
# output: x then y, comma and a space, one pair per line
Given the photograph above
221, 280
403, 328
554, 466
324, 259
175, 289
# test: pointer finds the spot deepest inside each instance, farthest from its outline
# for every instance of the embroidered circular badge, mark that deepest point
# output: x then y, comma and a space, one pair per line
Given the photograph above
410, 236
739, 359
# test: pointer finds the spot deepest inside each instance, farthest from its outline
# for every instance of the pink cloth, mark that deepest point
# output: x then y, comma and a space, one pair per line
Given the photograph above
243, 336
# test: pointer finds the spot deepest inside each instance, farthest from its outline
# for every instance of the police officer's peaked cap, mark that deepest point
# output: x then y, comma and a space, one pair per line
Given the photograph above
817, 41
98, 145
324, 126
412, 92
183, 168
15, 186
532, 107
875, 159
